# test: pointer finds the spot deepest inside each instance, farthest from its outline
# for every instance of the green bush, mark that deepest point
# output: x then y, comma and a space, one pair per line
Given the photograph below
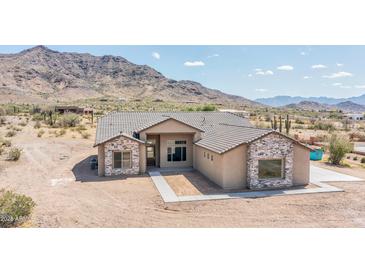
355, 158
363, 160
15, 209
14, 154
209, 108
69, 120
338, 147
324, 126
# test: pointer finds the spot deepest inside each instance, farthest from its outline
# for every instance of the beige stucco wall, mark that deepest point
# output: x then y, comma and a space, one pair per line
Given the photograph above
301, 165
101, 160
189, 150
234, 166
210, 169
170, 126
227, 170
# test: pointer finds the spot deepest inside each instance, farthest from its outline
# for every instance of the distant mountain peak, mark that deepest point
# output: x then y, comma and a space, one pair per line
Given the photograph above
40, 75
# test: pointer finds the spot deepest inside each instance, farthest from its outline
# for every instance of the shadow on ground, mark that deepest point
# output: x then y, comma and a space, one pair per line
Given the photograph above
84, 174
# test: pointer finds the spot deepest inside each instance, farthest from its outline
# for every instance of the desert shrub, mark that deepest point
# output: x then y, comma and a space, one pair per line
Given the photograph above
10, 133
60, 132
324, 126
40, 133
81, 128
37, 125
338, 147
69, 120
5, 142
85, 135
299, 122
2, 121
355, 158
209, 108
14, 154
37, 117
17, 128
363, 160
15, 208
23, 124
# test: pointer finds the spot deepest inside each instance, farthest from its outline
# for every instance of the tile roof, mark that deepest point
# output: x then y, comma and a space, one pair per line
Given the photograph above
221, 131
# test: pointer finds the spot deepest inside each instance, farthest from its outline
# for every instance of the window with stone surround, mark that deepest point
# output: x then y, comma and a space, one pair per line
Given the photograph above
271, 169
122, 159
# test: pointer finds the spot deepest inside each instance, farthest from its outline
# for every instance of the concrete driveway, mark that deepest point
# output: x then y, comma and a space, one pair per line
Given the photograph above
318, 175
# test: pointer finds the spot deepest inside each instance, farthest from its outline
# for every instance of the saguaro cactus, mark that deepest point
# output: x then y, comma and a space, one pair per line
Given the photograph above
274, 123
287, 124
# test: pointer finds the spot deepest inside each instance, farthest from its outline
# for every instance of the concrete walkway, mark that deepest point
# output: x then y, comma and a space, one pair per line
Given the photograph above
169, 196
318, 174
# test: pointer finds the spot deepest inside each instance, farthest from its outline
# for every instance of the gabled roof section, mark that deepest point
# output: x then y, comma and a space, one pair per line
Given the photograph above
228, 137
116, 123
152, 124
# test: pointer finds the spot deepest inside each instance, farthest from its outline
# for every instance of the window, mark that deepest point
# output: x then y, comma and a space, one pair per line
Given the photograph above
117, 159
269, 169
211, 157
122, 159
176, 150
208, 156
204, 154
127, 161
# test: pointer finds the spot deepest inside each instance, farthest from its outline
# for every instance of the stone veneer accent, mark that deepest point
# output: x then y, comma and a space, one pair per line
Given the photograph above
119, 144
272, 146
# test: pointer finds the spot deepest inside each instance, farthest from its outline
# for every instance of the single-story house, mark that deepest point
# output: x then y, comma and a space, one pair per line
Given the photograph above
224, 147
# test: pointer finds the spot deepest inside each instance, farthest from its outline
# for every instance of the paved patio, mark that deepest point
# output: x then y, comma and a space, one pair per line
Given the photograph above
318, 178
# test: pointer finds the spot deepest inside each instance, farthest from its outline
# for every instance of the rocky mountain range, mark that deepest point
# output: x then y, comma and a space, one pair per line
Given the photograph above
279, 101
41, 75
346, 106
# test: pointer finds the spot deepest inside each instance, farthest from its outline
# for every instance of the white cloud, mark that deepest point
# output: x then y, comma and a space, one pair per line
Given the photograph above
337, 84
345, 86
285, 67
340, 74
307, 77
303, 53
261, 89
262, 72
258, 69
360, 86
156, 55
339, 65
194, 64
213, 55
319, 66
249, 75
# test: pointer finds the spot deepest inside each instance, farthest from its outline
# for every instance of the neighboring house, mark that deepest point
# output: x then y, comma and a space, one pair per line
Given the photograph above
74, 109
224, 147
354, 116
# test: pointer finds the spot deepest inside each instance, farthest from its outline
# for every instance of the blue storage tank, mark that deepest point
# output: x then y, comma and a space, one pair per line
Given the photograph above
316, 154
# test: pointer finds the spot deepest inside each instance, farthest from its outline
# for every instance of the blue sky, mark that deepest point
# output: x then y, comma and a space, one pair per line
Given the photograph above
249, 71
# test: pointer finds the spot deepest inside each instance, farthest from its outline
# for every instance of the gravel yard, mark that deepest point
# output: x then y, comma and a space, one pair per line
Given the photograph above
55, 172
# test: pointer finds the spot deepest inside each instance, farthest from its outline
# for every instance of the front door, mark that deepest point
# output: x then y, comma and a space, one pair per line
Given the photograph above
151, 155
